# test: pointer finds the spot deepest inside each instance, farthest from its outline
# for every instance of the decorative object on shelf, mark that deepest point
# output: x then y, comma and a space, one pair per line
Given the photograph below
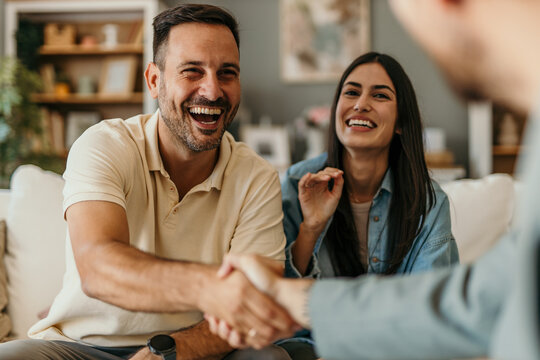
508, 131
111, 35
78, 122
269, 141
436, 154
85, 85
439, 159
118, 75
88, 41
309, 133
434, 139
62, 85
59, 34
320, 38
20, 120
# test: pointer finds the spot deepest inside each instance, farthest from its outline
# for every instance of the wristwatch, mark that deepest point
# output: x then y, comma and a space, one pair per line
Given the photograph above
162, 345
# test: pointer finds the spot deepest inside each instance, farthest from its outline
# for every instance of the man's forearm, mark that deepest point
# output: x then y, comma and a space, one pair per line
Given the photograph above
113, 271
152, 284
197, 342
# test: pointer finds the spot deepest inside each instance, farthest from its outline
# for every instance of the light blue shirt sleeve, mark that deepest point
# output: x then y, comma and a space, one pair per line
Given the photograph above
439, 314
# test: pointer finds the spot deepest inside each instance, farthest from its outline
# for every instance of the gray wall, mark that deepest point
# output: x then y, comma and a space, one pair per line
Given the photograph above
264, 93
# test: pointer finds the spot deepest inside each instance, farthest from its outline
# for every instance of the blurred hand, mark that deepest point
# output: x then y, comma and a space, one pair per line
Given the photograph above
318, 203
261, 271
241, 306
266, 275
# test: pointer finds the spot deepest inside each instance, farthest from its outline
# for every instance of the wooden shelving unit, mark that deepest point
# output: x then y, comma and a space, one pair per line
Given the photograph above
94, 99
506, 150
70, 111
76, 50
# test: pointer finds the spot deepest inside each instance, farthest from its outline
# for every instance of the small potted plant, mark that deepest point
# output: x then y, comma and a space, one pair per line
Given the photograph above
20, 118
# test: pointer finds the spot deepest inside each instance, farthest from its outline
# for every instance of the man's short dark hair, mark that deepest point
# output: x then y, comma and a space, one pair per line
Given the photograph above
188, 13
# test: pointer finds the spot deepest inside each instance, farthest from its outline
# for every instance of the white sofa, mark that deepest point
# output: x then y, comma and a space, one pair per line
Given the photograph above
481, 211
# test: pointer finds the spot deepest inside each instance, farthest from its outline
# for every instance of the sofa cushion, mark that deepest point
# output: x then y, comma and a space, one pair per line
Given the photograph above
481, 211
5, 322
36, 233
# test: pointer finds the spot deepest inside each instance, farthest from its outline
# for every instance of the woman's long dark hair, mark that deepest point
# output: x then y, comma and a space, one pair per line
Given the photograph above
413, 193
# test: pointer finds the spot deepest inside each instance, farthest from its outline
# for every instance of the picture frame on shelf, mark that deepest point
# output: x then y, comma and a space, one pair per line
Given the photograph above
118, 75
270, 142
319, 39
78, 122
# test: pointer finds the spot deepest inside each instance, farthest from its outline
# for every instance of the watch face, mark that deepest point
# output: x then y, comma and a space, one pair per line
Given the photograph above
162, 343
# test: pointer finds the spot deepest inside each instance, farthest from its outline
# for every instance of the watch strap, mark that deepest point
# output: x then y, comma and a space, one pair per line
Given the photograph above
171, 355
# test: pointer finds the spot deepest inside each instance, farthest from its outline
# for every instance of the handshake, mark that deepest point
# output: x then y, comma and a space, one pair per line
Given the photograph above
255, 323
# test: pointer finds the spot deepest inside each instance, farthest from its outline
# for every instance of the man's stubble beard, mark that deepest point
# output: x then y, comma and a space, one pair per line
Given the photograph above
178, 122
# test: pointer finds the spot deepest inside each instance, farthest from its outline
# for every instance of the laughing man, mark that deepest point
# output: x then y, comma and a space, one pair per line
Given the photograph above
154, 202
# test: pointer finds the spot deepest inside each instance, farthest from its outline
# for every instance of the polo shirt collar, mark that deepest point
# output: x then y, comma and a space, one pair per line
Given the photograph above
155, 163
153, 157
215, 180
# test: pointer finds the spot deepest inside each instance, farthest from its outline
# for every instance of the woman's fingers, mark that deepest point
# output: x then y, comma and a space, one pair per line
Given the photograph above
338, 185
309, 180
332, 172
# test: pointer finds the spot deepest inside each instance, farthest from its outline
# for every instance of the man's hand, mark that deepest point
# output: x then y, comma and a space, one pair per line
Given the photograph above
261, 271
144, 354
317, 201
265, 274
236, 301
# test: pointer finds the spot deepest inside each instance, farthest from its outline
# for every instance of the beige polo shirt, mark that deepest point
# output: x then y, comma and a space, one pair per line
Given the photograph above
236, 209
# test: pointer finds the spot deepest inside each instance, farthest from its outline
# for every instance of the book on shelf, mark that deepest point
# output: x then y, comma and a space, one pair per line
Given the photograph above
47, 77
43, 141
57, 131
51, 138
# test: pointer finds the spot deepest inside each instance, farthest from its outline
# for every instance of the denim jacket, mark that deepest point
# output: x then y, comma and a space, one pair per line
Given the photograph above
433, 247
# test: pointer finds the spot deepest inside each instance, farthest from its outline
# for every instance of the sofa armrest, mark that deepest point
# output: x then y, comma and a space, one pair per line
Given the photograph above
481, 210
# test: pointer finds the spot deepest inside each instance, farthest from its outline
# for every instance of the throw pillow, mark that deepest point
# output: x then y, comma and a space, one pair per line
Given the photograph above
481, 211
36, 235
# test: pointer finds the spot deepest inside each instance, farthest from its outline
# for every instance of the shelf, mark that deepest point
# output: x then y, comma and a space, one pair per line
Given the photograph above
506, 150
91, 50
132, 98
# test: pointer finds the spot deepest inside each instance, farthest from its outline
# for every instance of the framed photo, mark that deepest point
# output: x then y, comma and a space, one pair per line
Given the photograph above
270, 142
320, 38
78, 122
118, 75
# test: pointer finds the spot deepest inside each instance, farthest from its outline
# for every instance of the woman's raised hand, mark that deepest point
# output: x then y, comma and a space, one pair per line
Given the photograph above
318, 202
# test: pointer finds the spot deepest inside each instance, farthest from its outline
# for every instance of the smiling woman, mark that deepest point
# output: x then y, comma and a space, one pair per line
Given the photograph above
368, 206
